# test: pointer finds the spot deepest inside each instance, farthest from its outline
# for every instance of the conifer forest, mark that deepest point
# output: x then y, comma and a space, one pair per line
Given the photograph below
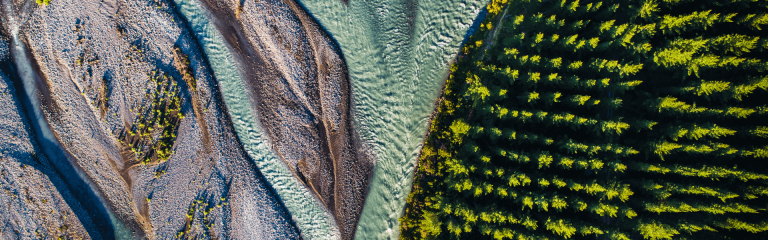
601, 119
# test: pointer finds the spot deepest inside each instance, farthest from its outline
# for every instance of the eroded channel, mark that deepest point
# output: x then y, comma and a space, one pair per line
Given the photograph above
36, 95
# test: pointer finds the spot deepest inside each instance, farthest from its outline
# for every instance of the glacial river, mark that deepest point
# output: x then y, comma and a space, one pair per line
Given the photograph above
398, 54
313, 222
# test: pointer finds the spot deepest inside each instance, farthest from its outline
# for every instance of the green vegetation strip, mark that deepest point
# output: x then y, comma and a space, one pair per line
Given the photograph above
601, 119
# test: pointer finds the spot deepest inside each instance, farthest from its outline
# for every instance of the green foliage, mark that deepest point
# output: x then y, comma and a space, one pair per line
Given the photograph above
163, 114
682, 207
459, 129
606, 120
476, 91
735, 224
560, 227
692, 21
760, 131
654, 231
43, 2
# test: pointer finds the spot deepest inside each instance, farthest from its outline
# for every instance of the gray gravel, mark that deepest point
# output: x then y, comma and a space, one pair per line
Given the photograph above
297, 80
206, 191
31, 205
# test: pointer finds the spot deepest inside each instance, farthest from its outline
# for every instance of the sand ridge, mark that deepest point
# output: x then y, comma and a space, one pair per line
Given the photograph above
298, 83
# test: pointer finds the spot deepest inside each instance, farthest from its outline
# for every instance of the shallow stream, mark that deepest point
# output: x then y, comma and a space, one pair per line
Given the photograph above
88, 204
398, 54
312, 220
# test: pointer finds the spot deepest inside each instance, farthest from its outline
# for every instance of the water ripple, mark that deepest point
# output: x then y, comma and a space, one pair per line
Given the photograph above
398, 53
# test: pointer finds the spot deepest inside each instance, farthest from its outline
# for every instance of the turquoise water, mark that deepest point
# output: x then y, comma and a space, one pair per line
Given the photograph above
312, 220
398, 55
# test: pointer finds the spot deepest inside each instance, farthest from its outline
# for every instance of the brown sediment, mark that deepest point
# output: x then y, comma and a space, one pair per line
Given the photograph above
134, 226
144, 215
129, 161
322, 149
180, 61
141, 206
127, 165
187, 224
44, 86
353, 168
103, 102
53, 115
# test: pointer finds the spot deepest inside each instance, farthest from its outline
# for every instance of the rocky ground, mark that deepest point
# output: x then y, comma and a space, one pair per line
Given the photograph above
142, 121
299, 84
34, 202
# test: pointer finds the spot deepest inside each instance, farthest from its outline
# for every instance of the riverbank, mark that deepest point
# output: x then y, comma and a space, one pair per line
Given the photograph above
398, 53
426, 173
298, 83
311, 219
37, 202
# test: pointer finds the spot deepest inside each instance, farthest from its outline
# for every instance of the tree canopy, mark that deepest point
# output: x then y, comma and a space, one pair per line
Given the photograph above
612, 119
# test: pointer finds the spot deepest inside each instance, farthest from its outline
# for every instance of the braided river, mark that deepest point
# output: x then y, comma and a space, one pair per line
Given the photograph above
398, 53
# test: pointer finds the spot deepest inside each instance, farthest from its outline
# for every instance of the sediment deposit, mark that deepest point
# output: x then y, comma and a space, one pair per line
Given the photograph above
115, 82
35, 202
298, 82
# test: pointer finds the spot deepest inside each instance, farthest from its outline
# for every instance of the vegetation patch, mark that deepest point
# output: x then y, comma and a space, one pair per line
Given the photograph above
600, 119
198, 213
152, 134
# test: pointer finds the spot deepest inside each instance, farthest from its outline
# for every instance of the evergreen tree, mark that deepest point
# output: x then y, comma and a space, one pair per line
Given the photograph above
604, 119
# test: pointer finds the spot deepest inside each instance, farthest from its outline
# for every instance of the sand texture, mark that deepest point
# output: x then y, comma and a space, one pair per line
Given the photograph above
298, 82
128, 95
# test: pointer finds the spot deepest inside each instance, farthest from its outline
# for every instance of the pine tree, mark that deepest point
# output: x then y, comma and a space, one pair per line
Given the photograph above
476, 91
656, 96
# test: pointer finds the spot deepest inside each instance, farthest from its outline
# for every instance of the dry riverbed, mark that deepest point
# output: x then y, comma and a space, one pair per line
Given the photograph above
33, 198
128, 95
